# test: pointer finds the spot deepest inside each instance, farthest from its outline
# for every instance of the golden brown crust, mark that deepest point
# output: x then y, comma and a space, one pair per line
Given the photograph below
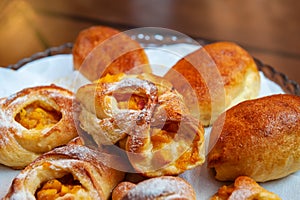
113, 52
260, 139
158, 133
80, 162
21, 142
244, 188
233, 70
164, 187
121, 190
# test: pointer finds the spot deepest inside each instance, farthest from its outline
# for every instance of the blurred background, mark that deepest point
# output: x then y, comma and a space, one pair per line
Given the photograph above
268, 29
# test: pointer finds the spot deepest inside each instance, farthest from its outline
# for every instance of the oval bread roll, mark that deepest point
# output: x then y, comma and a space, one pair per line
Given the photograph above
99, 50
260, 139
222, 74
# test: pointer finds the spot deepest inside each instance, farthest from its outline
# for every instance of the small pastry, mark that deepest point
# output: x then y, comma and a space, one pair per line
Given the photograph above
244, 188
69, 172
164, 187
144, 116
259, 138
99, 50
34, 121
221, 74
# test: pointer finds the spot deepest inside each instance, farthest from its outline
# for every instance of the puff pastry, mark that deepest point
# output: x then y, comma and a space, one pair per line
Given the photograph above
69, 172
146, 117
99, 50
260, 138
221, 74
164, 187
244, 188
34, 121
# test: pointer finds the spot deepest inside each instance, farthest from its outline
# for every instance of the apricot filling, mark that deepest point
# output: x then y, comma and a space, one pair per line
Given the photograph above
38, 115
56, 188
133, 102
159, 138
164, 136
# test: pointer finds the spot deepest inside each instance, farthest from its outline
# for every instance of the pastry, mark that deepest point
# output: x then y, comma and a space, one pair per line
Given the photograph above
69, 172
221, 74
244, 188
34, 121
143, 115
99, 50
164, 187
260, 138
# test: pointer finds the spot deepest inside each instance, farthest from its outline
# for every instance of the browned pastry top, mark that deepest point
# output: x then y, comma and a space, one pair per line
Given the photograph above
231, 60
111, 51
259, 138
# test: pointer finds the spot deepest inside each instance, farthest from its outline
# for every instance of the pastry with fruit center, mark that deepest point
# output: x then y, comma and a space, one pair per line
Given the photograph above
69, 172
143, 115
34, 121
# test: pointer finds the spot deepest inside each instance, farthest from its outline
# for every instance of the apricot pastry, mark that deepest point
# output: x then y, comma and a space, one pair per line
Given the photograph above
69, 172
33, 121
146, 117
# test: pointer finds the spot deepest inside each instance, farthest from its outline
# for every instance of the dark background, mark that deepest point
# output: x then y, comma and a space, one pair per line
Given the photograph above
268, 29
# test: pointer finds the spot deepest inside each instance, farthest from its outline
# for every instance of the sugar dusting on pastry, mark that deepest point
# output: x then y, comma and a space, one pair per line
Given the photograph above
24, 135
155, 188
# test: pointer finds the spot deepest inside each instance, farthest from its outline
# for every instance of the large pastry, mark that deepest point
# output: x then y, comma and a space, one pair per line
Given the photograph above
69, 172
33, 121
99, 50
260, 138
221, 74
244, 188
146, 117
164, 187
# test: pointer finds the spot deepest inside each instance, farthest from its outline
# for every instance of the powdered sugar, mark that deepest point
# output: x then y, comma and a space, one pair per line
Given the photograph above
167, 187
